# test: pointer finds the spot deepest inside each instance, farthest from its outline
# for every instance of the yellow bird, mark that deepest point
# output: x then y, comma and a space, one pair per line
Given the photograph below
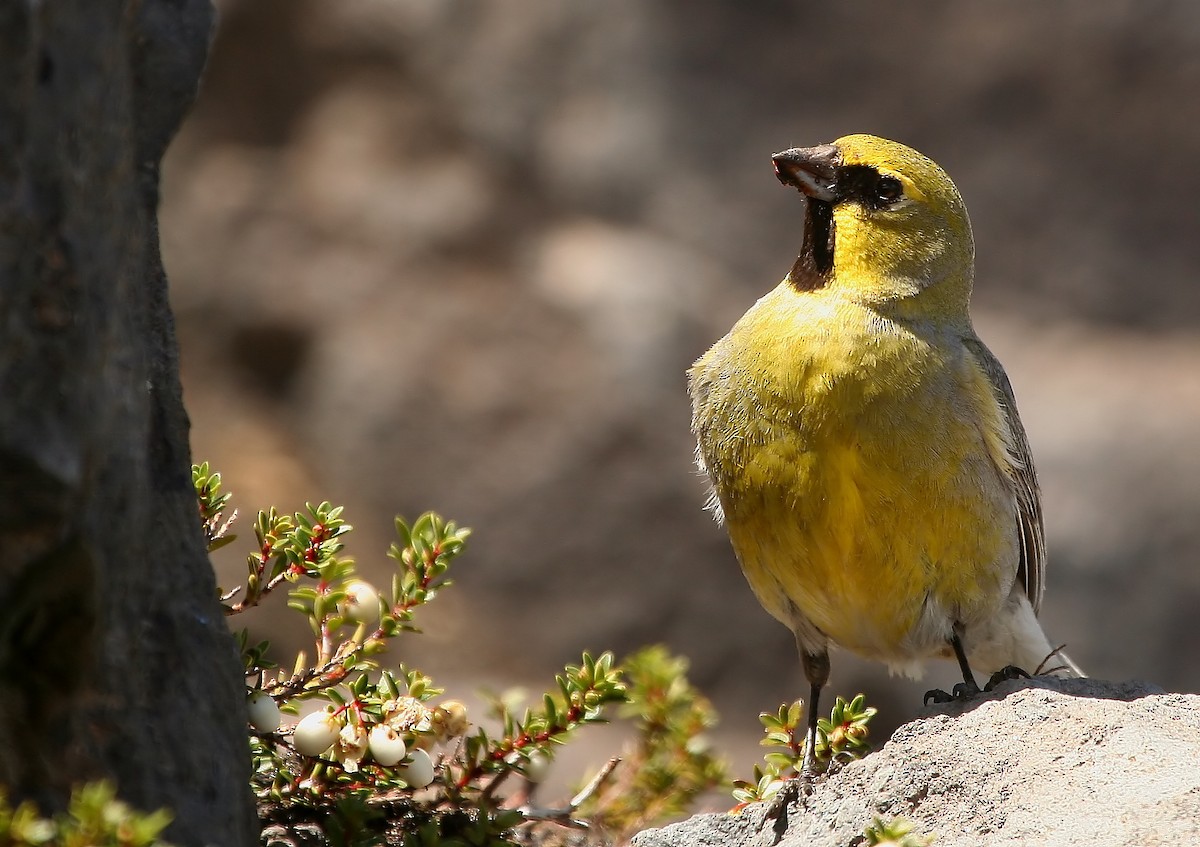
863, 444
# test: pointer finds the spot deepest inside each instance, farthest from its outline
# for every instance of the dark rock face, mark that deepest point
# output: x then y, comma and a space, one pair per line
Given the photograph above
115, 660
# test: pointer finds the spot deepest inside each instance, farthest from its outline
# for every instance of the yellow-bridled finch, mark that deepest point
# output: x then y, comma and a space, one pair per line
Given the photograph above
863, 444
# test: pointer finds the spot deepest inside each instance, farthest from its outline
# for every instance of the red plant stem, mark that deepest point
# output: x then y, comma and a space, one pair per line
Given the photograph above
523, 739
320, 535
297, 683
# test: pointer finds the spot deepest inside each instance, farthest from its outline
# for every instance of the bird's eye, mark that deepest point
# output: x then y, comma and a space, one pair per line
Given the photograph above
888, 190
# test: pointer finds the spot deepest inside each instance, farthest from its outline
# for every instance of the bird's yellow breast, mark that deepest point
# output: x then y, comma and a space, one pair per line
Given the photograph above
857, 459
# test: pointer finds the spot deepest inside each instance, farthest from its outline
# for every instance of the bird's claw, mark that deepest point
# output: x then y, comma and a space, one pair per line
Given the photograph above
787, 794
792, 789
967, 690
937, 695
962, 691
1006, 673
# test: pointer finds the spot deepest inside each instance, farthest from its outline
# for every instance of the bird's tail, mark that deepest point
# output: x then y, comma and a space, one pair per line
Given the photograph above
1014, 638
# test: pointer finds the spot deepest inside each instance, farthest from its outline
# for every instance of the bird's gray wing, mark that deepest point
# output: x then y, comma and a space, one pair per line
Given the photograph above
1032, 569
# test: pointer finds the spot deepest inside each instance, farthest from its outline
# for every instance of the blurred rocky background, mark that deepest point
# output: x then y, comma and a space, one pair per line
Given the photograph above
457, 255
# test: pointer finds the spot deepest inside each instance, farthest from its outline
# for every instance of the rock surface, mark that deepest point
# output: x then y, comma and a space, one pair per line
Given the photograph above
1047, 762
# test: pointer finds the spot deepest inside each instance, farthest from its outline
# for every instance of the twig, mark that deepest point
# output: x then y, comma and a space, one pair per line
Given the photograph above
257, 598
563, 817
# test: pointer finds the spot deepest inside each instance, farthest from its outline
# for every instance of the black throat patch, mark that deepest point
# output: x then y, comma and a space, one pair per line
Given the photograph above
861, 184
812, 267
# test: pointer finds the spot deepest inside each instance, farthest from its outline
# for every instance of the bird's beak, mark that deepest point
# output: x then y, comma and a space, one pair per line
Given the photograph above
813, 170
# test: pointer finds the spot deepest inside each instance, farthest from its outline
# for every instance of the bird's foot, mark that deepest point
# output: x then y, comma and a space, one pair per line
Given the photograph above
793, 789
788, 793
962, 691
1005, 673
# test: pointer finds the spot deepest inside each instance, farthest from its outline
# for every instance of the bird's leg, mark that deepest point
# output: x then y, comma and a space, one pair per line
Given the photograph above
816, 670
965, 689
968, 687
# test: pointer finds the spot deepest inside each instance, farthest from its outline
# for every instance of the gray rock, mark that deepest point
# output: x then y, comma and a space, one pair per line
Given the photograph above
1044, 761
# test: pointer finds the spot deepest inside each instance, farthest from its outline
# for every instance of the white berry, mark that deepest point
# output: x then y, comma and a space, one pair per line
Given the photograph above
387, 745
536, 766
262, 711
315, 733
419, 771
361, 604
450, 720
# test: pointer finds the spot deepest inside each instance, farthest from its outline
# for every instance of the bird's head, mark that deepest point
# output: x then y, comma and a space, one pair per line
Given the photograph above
883, 222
